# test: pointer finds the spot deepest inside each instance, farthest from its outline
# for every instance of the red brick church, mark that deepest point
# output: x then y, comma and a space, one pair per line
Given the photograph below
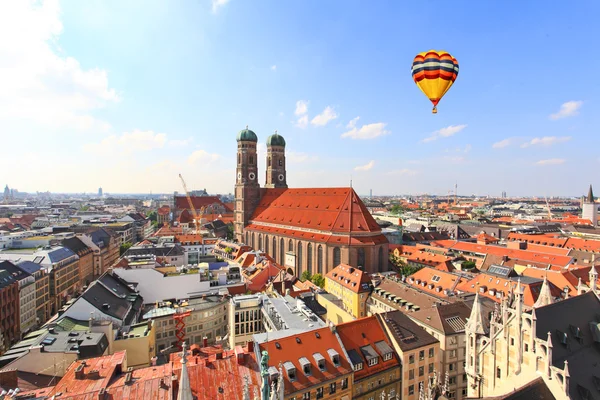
312, 229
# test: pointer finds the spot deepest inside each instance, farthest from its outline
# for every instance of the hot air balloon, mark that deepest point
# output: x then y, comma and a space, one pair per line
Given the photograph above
434, 72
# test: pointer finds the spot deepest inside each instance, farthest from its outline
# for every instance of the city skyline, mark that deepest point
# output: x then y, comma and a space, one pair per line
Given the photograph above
126, 97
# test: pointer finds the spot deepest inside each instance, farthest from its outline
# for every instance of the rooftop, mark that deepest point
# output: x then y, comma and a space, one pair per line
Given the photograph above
351, 278
405, 331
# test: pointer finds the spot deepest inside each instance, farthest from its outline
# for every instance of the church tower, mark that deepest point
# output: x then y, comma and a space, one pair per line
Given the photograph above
247, 189
276, 176
590, 208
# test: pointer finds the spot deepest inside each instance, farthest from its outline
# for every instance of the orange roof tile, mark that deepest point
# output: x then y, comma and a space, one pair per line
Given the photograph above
323, 209
583, 244
351, 278
434, 281
366, 332
305, 345
561, 279
164, 210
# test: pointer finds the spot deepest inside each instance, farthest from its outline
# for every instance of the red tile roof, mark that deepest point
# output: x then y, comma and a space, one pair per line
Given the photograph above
561, 279
164, 210
434, 281
351, 278
319, 237
323, 209
293, 348
363, 332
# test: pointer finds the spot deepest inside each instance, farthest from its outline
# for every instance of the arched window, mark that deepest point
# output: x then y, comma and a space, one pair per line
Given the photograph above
280, 162
320, 259
247, 238
252, 238
381, 259
269, 161
251, 160
309, 258
267, 244
299, 257
290, 245
336, 257
275, 249
360, 259
260, 242
282, 251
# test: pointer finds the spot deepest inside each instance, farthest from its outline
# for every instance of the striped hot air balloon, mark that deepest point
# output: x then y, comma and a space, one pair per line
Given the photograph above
434, 72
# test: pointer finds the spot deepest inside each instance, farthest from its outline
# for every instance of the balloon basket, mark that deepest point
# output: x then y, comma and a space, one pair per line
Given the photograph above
434, 111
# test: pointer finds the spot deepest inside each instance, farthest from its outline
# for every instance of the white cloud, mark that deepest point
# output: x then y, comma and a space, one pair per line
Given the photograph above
551, 161
454, 159
369, 131
216, 4
352, 123
297, 157
180, 142
273, 67
444, 132
39, 83
568, 109
365, 167
323, 119
503, 143
301, 107
302, 122
403, 172
128, 142
546, 141
202, 156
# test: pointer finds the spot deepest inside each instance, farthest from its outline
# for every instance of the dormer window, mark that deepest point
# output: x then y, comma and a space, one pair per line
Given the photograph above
291, 370
320, 361
387, 356
306, 366
334, 356
358, 366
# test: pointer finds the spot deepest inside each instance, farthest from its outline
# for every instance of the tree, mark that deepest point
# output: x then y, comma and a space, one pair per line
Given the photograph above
230, 232
84, 208
228, 250
318, 280
468, 264
152, 216
306, 276
403, 268
124, 247
396, 209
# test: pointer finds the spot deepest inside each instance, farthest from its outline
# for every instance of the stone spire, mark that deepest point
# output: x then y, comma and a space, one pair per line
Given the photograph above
579, 286
476, 322
185, 391
590, 196
545, 296
593, 274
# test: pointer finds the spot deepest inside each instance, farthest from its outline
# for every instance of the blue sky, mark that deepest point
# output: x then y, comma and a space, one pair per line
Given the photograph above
127, 96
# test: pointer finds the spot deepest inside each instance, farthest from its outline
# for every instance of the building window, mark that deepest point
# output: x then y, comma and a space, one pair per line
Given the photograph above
320, 393
411, 359
380, 266
267, 244
275, 250
411, 374
421, 355
320, 259
360, 257
336, 257
430, 368
306, 396
411, 389
358, 366
373, 361
451, 367
431, 352
344, 383
386, 356
290, 245
452, 380
332, 388
512, 341
299, 262
421, 371
526, 347
309, 258
259, 241
498, 373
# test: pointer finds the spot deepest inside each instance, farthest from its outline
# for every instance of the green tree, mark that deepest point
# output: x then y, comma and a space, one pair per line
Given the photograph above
84, 208
468, 264
230, 232
152, 216
124, 247
396, 209
306, 276
318, 280
228, 250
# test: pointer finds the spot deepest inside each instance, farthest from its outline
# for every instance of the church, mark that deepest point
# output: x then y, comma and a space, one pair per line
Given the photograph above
305, 229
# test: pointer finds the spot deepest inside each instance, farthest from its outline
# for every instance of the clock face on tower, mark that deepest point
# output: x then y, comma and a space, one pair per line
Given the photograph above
251, 176
239, 176
280, 177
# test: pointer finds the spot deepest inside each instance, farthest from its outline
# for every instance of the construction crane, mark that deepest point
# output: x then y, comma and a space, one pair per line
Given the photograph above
192, 209
548, 207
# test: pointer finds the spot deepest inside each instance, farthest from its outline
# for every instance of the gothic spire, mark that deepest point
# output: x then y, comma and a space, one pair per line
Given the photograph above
590, 196
185, 391
476, 322
545, 296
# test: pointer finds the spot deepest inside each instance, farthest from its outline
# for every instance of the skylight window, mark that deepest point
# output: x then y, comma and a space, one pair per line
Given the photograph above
435, 278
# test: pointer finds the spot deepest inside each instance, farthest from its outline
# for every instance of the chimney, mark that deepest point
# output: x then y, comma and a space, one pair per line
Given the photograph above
204, 341
250, 346
219, 355
79, 373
